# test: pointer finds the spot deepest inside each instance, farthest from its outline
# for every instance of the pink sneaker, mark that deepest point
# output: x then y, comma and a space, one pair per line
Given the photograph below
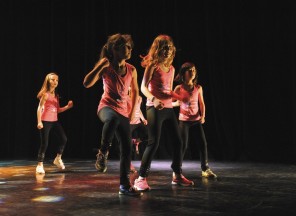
182, 181
142, 185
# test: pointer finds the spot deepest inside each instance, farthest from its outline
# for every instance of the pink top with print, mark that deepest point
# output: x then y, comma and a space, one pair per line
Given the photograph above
50, 109
116, 87
189, 110
160, 86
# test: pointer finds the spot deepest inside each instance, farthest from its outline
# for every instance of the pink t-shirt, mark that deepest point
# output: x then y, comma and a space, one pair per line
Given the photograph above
189, 110
160, 86
116, 87
50, 109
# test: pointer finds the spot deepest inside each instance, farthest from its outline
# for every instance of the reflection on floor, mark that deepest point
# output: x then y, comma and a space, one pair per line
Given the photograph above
241, 189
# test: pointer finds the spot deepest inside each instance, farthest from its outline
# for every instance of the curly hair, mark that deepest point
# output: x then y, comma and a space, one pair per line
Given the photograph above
153, 56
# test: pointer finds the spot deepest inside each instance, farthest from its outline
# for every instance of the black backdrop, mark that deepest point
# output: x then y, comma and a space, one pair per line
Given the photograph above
244, 51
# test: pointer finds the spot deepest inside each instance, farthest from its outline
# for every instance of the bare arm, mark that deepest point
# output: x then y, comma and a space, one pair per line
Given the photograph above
172, 80
134, 92
201, 104
146, 79
144, 87
68, 106
39, 110
96, 73
145, 122
142, 116
176, 92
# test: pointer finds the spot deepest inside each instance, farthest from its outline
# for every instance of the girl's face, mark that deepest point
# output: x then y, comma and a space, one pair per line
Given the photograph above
190, 74
53, 81
166, 51
124, 51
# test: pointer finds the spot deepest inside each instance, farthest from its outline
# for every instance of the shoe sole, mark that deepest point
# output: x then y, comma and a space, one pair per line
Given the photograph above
128, 194
140, 189
40, 173
62, 168
58, 165
100, 170
210, 177
184, 185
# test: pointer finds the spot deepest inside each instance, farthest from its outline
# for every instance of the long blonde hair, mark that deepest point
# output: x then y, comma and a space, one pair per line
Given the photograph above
46, 85
158, 44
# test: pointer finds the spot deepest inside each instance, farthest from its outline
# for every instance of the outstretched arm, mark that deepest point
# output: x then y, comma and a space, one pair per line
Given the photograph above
96, 73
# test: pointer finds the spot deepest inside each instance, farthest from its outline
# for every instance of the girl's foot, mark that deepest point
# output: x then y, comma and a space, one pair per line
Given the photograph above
40, 169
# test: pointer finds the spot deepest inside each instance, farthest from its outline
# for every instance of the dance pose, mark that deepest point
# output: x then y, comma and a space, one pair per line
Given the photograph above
192, 112
157, 85
47, 120
118, 76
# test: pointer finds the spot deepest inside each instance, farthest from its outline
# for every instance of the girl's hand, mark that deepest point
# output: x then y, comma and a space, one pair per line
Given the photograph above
70, 104
145, 122
203, 119
183, 98
40, 125
158, 104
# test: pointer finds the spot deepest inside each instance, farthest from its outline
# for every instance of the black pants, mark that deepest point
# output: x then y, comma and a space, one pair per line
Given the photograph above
56, 129
117, 125
155, 120
200, 135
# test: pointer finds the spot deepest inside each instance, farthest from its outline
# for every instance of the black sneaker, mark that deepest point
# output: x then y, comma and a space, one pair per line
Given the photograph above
129, 191
101, 163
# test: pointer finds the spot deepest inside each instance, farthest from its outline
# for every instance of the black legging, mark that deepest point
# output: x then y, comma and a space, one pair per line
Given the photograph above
57, 129
155, 120
117, 124
139, 131
200, 135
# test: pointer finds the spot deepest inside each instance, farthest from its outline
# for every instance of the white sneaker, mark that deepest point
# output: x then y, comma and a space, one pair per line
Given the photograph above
59, 163
208, 174
39, 169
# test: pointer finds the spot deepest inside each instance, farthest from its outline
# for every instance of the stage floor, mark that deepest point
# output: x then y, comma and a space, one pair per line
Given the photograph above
241, 189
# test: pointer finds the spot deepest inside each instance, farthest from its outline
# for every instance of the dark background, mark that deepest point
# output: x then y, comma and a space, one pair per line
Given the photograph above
244, 51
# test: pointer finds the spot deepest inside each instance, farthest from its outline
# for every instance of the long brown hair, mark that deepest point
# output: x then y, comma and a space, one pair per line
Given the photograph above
180, 77
158, 44
114, 42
